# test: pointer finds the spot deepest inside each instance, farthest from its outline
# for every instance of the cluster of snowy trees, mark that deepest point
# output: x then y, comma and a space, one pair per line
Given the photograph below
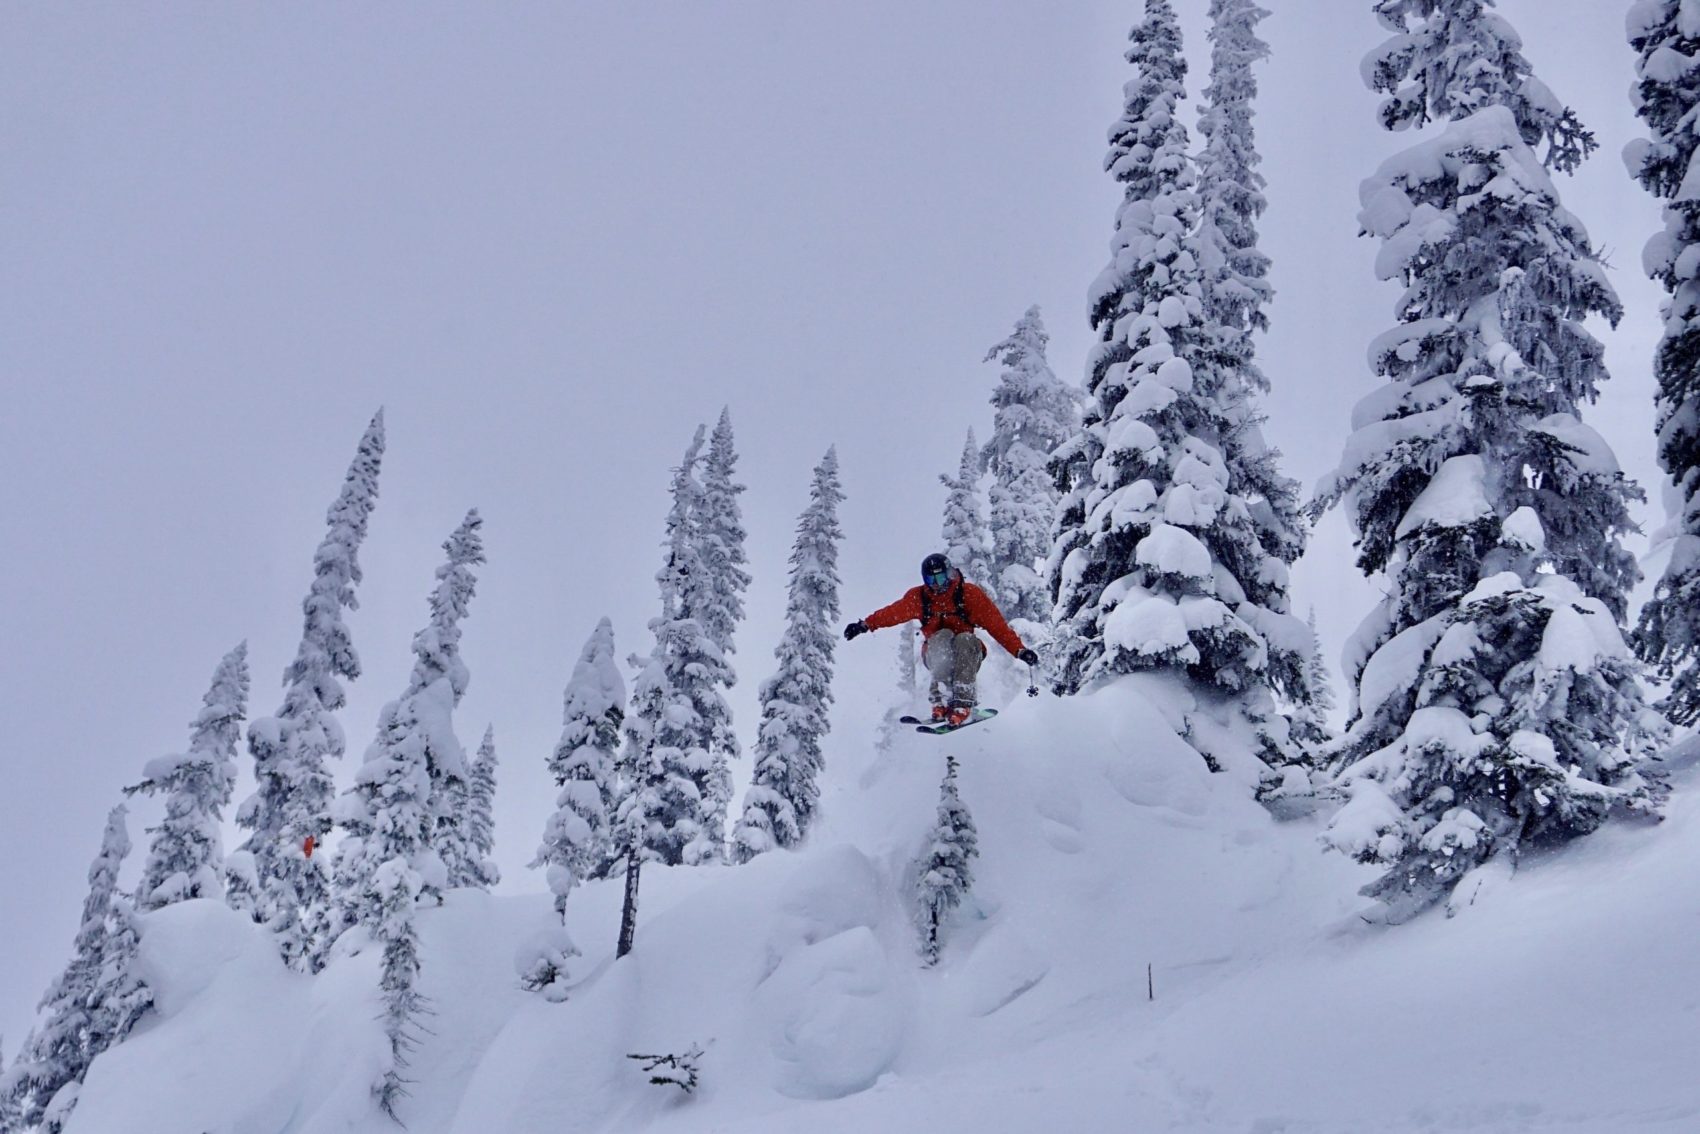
1177, 528
1496, 703
92, 1004
329, 876
416, 821
1002, 502
99, 997
648, 779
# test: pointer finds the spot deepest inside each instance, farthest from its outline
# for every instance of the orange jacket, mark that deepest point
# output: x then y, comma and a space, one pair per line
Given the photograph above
982, 614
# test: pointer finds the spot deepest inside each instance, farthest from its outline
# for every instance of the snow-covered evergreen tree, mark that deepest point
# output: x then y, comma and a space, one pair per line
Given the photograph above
1496, 704
408, 805
385, 815
405, 801
11, 1120
1148, 144
482, 872
1230, 188
943, 876
1163, 557
577, 840
669, 761
1309, 722
186, 857
278, 877
1035, 412
120, 997
74, 1024
784, 789
1235, 291
440, 676
966, 540
720, 535
714, 595
672, 770
1666, 38
907, 689
908, 659
1447, 59
395, 889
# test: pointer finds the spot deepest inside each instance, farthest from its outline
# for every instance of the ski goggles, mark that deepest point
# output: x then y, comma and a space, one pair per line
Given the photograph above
936, 579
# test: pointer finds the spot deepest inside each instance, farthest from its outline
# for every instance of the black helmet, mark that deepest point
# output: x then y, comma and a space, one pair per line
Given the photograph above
935, 570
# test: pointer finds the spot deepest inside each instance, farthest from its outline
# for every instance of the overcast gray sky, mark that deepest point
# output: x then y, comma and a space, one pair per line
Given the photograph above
550, 239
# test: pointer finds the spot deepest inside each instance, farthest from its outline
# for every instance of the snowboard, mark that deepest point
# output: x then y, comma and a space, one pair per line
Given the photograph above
940, 729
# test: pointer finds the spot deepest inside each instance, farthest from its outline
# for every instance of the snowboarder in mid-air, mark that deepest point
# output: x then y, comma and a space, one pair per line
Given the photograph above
949, 609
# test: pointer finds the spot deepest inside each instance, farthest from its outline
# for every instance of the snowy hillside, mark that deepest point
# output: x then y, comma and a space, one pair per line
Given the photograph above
1567, 1001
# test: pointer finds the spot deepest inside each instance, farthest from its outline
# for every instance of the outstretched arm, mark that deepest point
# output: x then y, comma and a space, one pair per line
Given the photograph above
985, 613
905, 609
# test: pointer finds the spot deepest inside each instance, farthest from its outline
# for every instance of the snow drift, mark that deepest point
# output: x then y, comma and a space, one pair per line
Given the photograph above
1562, 998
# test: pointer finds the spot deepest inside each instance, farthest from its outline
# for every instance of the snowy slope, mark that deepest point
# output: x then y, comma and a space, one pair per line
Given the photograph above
1567, 998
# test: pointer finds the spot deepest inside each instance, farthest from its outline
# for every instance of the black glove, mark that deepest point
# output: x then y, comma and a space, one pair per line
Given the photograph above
855, 628
1027, 656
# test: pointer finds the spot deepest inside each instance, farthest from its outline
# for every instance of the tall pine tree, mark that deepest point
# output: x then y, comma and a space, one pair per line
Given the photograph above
11, 1120
676, 708
1666, 94
1163, 558
721, 537
481, 871
1310, 715
943, 876
186, 857
1496, 703
1035, 412
407, 806
784, 791
1236, 291
89, 1006
578, 837
1230, 188
395, 890
278, 878
415, 769
717, 599
966, 540
441, 676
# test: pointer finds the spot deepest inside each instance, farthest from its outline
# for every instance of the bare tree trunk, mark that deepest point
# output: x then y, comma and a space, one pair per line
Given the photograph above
628, 912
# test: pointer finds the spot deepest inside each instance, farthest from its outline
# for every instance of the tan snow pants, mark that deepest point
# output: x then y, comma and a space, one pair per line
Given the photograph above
953, 660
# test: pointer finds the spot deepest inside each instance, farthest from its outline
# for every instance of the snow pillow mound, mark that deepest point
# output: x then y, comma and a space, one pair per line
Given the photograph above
836, 1013
833, 1005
